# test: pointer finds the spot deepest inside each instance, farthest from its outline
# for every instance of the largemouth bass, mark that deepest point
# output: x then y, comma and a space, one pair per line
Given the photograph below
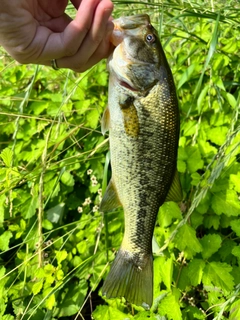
143, 122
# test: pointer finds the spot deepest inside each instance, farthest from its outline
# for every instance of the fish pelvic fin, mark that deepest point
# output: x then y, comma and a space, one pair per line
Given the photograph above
175, 192
110, 200
131, 278
105, 123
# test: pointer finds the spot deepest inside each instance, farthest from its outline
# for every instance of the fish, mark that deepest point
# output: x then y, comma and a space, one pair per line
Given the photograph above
142, 118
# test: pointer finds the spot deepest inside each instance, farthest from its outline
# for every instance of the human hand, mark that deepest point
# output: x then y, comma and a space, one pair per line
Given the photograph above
37, 31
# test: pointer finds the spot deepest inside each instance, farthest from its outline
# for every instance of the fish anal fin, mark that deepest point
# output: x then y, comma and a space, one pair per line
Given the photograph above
110, 199
175, 192
105, 121
127, 279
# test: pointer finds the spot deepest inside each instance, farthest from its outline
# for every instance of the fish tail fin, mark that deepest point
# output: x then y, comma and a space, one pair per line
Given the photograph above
131, 277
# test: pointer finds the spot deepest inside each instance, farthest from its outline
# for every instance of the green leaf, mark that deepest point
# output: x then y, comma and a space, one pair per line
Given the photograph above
186, 241
29, 207
67, 179
61, 255
195, 271
170, 306
92, 119
37, 287
109, 313
217, 135
194, 160
217, 274
235, 311
169, 212
235, 225
4, 240
7, 156
46, 224
211, 221
164, 270
210, 244
226, 202
235, 181
236, 251
50, 302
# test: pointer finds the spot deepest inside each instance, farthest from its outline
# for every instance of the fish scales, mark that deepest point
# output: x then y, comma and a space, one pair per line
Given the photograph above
143, 122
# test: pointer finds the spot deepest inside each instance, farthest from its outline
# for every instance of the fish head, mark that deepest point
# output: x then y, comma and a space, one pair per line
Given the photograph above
138, 56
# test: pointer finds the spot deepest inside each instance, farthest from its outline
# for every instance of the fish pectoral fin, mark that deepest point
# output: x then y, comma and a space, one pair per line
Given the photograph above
175, 192
105, 121
110, 199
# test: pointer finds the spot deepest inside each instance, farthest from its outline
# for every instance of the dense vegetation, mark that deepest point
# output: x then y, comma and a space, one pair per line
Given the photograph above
55, 246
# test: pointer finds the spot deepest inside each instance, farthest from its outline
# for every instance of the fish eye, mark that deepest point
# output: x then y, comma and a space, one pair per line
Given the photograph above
150, 38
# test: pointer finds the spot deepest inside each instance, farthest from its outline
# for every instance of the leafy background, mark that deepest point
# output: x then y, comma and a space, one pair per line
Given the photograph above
55, 246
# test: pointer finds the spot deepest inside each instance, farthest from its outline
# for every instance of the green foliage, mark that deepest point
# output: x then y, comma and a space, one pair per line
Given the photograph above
55, 245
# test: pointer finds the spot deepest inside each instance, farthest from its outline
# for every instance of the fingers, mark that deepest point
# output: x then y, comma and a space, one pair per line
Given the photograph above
76, 44
96, 43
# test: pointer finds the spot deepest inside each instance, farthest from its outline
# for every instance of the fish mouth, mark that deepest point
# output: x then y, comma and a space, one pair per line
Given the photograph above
127, 23
127, 85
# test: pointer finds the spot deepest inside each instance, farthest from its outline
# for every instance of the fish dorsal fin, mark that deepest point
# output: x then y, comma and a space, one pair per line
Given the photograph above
175, 192
105, 121
110, 199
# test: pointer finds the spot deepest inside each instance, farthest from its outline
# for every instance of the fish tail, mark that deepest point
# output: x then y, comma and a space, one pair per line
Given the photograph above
131, 277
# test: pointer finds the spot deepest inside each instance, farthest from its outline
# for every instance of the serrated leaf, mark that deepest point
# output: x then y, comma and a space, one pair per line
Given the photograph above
235, 181
92, 119
37, 287
235, 225
169, 211
211, 221
217, 274
235, 311
7, 156
170, 306
210, 244
195, 271
186, 241
109, 313
217, 135
4, 240
164, 267
61, 255
236, 251
226, 202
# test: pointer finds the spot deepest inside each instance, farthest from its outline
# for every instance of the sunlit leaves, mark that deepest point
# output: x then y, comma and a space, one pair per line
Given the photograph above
210, 244
4, 240
217, 274
170, 305
187, 241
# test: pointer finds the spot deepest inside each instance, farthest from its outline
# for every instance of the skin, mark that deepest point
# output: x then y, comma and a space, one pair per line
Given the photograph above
37, 31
